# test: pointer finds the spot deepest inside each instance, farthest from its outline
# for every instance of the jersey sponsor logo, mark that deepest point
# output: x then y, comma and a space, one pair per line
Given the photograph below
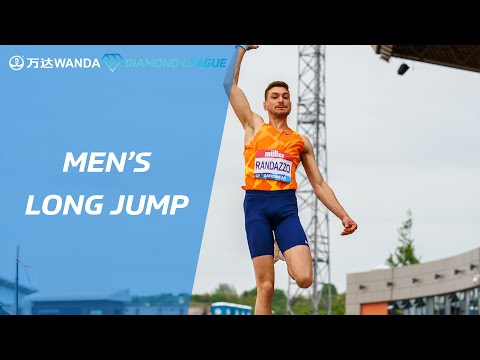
274, 153
273, 165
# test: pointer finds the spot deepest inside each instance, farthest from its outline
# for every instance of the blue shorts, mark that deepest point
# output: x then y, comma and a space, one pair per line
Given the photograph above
269, 212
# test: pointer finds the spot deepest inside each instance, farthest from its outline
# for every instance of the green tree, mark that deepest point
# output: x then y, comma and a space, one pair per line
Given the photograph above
300, 305
224, 292
279, 302
333, 289
225, 289
405, 252
200, 299
338, 304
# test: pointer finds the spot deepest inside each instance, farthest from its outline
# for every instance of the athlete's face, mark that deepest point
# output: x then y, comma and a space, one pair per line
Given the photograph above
278, 101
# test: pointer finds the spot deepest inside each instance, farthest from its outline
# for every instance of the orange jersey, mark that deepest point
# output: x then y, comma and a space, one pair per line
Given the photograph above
271, 159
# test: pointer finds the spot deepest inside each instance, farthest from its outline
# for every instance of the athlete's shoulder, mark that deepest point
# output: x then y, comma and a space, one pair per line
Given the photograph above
304, 137
307, 145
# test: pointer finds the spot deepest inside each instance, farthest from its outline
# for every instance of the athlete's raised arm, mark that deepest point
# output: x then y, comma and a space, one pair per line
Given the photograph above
238, 100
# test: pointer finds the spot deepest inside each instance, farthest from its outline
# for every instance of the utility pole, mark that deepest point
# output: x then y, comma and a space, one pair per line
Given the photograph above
16, 280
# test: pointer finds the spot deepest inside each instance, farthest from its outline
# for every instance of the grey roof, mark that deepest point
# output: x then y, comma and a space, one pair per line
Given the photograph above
11, 285
466, 57
80, 295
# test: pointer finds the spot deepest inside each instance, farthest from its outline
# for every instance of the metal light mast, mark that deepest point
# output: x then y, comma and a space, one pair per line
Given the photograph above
313, 214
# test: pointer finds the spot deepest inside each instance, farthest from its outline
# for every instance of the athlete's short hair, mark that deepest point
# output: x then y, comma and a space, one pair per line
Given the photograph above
275, 84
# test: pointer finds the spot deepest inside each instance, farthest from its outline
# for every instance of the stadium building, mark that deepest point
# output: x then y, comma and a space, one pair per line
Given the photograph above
448, 286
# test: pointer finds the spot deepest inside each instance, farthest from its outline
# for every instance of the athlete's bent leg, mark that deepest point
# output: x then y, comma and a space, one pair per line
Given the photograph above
299, 262
265, 280
292, 240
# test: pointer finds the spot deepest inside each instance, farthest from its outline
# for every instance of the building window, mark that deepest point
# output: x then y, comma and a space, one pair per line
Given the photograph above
420, 306
458, 304
473, 302
439, 305
407, 307
394, 308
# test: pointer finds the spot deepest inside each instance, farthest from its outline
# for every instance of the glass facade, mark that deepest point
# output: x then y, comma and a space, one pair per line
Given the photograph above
473, 301
457, 303
420, 306
439, 305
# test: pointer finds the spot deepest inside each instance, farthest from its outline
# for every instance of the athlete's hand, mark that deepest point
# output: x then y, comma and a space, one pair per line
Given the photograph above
349, 226
252, 47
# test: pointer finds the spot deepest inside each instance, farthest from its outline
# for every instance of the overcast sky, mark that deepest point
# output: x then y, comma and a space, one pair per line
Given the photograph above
393, 143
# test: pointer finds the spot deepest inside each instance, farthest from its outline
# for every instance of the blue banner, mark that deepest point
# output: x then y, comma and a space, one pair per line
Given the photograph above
108, 157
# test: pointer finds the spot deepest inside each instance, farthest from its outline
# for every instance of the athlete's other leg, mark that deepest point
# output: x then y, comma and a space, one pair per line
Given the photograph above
265, 280
293, 243
299, 262
260, 243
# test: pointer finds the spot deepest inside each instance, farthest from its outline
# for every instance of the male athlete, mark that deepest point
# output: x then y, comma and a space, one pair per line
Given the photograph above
272, 153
